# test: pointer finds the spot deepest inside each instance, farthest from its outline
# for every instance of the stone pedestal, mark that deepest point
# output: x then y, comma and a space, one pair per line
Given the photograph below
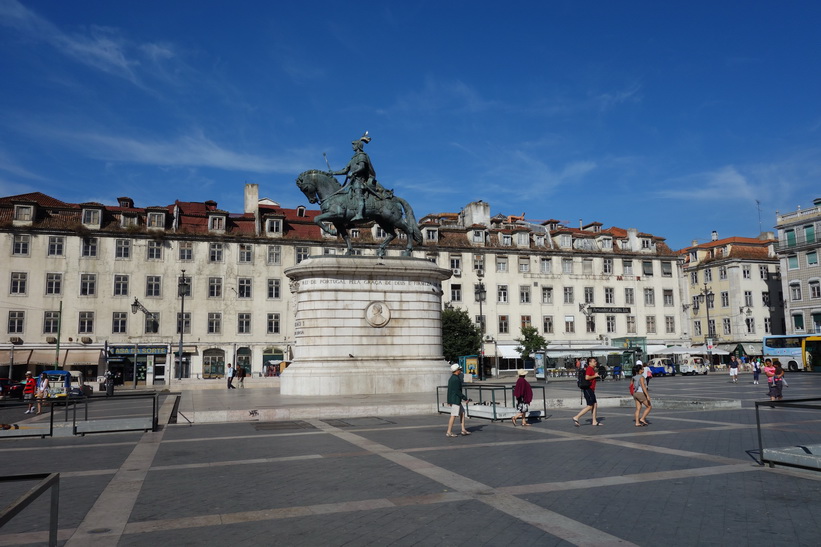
366, 325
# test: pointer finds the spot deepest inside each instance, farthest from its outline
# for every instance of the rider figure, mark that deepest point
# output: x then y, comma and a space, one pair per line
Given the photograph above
361, 175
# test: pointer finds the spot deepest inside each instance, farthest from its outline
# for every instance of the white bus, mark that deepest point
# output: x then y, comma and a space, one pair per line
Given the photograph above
794, 351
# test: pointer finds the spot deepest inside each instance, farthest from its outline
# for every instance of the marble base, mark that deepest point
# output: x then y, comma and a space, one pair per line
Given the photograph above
366, 325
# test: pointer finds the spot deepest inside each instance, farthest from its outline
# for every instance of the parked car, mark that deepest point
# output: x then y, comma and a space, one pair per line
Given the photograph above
693, 365
662, 366
10, 389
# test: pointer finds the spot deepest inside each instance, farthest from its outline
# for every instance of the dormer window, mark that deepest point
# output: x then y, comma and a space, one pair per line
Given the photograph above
273, 226
300, 211
91, 217
607, 244
128, 220
540, 241
23, 214
478, 236
216, 223
693, 256
155, 220
507, 240
431, 234
354, 233
646, 243
565, 240
523, 239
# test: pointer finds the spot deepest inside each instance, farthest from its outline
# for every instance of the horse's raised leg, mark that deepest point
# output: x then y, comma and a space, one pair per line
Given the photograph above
320, 221
409, 247
343, 232
383, 248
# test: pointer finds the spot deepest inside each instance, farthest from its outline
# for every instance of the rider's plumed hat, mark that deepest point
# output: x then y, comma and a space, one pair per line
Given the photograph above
364, 138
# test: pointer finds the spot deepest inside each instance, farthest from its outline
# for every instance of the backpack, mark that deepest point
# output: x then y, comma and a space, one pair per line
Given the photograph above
632, 387
581, 379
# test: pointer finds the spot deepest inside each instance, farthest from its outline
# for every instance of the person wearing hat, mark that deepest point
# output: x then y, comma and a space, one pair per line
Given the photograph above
360, 173
28, 392
523, 394
455, 397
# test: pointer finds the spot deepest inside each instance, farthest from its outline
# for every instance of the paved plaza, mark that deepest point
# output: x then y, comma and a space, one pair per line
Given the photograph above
690, 478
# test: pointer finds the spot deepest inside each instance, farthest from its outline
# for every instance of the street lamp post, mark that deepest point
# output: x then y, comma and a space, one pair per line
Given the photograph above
706, 296
135, 307
480, 294
182, 288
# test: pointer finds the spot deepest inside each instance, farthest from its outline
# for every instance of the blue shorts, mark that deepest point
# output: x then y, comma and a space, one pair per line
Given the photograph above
589, 396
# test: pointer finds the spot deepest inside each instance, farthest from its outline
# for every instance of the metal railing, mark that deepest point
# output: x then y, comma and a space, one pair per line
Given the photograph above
47, 481
796, 455
491, 401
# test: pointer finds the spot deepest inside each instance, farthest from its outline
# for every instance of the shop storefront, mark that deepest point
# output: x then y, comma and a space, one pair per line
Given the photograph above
148, 363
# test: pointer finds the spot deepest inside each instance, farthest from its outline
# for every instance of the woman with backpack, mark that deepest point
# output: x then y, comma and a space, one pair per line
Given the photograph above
641, 396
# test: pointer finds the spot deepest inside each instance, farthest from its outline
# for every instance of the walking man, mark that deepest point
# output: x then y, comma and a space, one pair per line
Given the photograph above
734, 369
229, 375
455, 397
589, 391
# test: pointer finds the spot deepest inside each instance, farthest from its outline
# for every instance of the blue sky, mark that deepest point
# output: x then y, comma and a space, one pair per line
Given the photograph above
669, 117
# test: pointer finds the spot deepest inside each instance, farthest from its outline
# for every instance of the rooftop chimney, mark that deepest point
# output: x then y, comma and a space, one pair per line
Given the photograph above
252, 203
714, 236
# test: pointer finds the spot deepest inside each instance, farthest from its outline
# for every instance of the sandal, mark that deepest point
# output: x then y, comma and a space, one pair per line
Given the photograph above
641, 425
575, 422
451, 435
525, 424
464, 433
642, 422
598, 423
514, 421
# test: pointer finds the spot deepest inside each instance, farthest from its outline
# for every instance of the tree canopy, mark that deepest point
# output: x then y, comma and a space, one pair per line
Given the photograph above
459, 335
530, 342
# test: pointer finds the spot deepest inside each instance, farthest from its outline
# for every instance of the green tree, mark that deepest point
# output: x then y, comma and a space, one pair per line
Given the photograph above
459, 335
530, 342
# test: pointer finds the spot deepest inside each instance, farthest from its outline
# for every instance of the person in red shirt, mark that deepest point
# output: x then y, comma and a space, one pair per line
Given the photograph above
589, 392
28, 392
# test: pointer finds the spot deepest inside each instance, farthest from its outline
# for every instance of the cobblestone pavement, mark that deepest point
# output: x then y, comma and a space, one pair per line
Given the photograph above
690, 478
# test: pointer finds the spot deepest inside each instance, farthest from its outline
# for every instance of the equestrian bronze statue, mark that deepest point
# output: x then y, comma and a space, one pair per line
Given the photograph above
359, 199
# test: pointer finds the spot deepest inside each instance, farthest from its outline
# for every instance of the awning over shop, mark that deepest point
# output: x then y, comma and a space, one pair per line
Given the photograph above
748, 348
47, 356
653, 349
20, 356
508, 352
82, 357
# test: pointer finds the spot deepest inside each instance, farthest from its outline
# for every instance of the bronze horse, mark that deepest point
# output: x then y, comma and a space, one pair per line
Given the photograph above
339, 207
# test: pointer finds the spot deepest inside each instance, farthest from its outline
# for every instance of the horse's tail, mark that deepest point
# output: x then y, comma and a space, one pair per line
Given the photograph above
410, 220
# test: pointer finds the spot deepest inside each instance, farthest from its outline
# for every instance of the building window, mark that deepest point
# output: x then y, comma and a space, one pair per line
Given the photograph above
91, 217
478, 263
430, 235
88, 284
273, 323
627, 266
651, 324
56, 245
762, 272
588, 295
501, 292
711, 327
798, 322
629, 296
16, 322
667, 269
815, 289
273, 289
54, 283
501, 264
19, 282
524, 265
156, 220
154, 250
122, 249
214, 287
186, 322
748, 298
187, 291
214, 323
610, 323
750, 323
274, 255
607, 266
274, 226
809, 233
246, 253
566, 240
697, 327
609, 295
119, 322
524, 294
792, 262
670, 324
89, 248
765, 298
725, 299
526, 321
590, 322
649, 297
216, 223
186, 251
746, 272
523, 239
478, 236
20, 246
631, 324
667, 295
694, 278
812, 258
120, 285
244, 287
152, 323
504, 324
708, 274
86, 322
546, 266
568, 295
456, 292
795, 291
547, 295
302, 253
153, 286
23, 213
569, 324
567, 265
50, 322
547, 324
767, 323
727, 327
243, 323
215, 251
587, 266
507, 240
647, 268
